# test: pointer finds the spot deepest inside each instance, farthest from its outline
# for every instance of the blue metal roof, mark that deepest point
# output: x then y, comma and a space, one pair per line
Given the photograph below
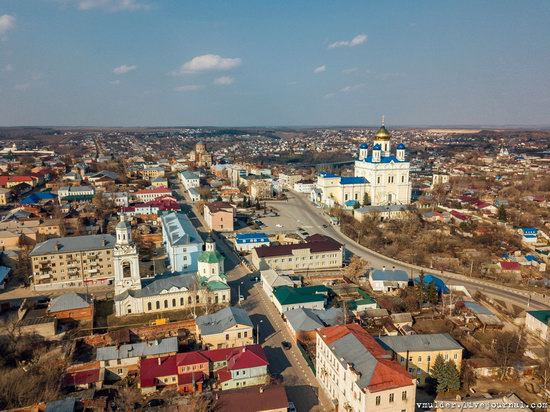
530, 230
389, 275
327, 174
4, 272
251, 237
401, 146
477, 308
383, 159
352, 180
440, 286
377, 147
37, 197
364, 146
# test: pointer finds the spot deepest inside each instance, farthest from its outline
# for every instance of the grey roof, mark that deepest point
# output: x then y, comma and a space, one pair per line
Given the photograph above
179, 229
420, 343
389, 274
160, 284
310, 319
276, 279
140, 349
74, 244
222, 320
350, 350
303, 319
69, 301
380, 209
189, 175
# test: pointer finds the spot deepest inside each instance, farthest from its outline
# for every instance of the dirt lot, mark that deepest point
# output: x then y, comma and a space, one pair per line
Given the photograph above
519, 388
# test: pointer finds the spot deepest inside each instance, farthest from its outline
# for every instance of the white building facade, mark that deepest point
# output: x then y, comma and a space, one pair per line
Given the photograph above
381, 177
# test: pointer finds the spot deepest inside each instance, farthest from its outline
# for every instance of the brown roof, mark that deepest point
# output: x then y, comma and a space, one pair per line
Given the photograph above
316, 243
217, 206
253, 399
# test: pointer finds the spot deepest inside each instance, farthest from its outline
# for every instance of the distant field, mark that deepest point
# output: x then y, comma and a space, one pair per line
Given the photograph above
454, 131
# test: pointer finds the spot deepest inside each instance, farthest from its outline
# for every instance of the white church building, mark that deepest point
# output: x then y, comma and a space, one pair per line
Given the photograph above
381, 177
168, 291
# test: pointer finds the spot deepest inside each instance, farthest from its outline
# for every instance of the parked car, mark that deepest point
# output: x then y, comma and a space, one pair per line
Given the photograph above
286, 345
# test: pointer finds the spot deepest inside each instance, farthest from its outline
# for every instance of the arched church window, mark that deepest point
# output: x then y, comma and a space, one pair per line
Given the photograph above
149, 306
197, 299
165, 303
189, 300
174, 302
126, 270
158, 304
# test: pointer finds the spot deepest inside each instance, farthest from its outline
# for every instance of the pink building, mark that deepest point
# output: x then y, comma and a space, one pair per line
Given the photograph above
219, 216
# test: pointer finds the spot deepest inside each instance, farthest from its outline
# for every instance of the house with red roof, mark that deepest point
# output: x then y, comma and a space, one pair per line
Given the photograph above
459, 216
83, 376
238, 367
358, 374
146, 195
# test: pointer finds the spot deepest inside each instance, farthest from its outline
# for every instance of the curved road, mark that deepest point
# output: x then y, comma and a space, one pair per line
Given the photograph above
307, 214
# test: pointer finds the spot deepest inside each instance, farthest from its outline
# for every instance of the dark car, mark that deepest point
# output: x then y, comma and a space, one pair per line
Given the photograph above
286, 345
325, 225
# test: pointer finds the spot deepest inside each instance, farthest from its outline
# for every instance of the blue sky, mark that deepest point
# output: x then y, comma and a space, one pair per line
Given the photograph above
252, 63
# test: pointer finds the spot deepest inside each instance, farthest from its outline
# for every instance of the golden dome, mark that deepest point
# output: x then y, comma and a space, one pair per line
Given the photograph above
382, 134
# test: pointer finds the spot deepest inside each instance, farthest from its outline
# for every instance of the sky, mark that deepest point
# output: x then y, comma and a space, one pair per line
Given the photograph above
274, 63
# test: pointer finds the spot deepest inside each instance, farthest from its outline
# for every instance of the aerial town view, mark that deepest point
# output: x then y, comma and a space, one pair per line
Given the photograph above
274, 206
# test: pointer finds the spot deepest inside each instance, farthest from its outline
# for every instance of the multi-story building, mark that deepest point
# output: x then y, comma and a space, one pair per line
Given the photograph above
150, 171
219, 216
417, 353
287, 181
70, 193
189, 179
358, 374
147, 195
317, 253
73, 262
5, 196
182, 242
119, 360
227, 328
245, 242
259, 187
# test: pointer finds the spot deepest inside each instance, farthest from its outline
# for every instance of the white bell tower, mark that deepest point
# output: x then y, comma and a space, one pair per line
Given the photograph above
125, 259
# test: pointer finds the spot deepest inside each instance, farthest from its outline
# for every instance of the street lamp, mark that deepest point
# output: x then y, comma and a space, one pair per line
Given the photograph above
258, 331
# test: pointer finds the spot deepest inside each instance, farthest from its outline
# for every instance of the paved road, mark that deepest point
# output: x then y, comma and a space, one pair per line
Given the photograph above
314, 220
299, 380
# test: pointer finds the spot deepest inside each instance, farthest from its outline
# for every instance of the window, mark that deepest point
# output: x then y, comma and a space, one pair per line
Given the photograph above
404, 395
189, 300
378, 400
158, 305
391, 397
149, 306
181, 302
429, 358
455, 356
239, 335
419, 358
165, 304
227, 336
245, 334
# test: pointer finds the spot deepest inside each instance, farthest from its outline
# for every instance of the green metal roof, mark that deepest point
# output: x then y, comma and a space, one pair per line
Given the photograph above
217, 285
211, 257
290, 296
540, 315
78, 197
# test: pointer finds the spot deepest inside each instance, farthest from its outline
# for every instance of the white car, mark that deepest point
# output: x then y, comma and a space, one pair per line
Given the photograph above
291, 407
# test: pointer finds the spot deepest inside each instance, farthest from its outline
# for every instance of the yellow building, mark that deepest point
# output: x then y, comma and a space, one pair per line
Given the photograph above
417, 353
73, 262
5, 196
152, 172
227, 328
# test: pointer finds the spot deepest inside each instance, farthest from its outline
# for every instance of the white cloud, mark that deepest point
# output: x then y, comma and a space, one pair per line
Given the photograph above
188, 88
7, 23
319, 69
224, 80
208, 62
124, 69
22, 87
352, 87
350, 70
356, 41
115, 82
112, 5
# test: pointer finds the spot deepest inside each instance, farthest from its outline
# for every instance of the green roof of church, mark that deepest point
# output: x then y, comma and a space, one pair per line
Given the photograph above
210, 257
217, 285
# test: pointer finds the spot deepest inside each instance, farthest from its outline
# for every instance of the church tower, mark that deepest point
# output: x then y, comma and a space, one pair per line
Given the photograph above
382, 138
125, 259
210, 265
